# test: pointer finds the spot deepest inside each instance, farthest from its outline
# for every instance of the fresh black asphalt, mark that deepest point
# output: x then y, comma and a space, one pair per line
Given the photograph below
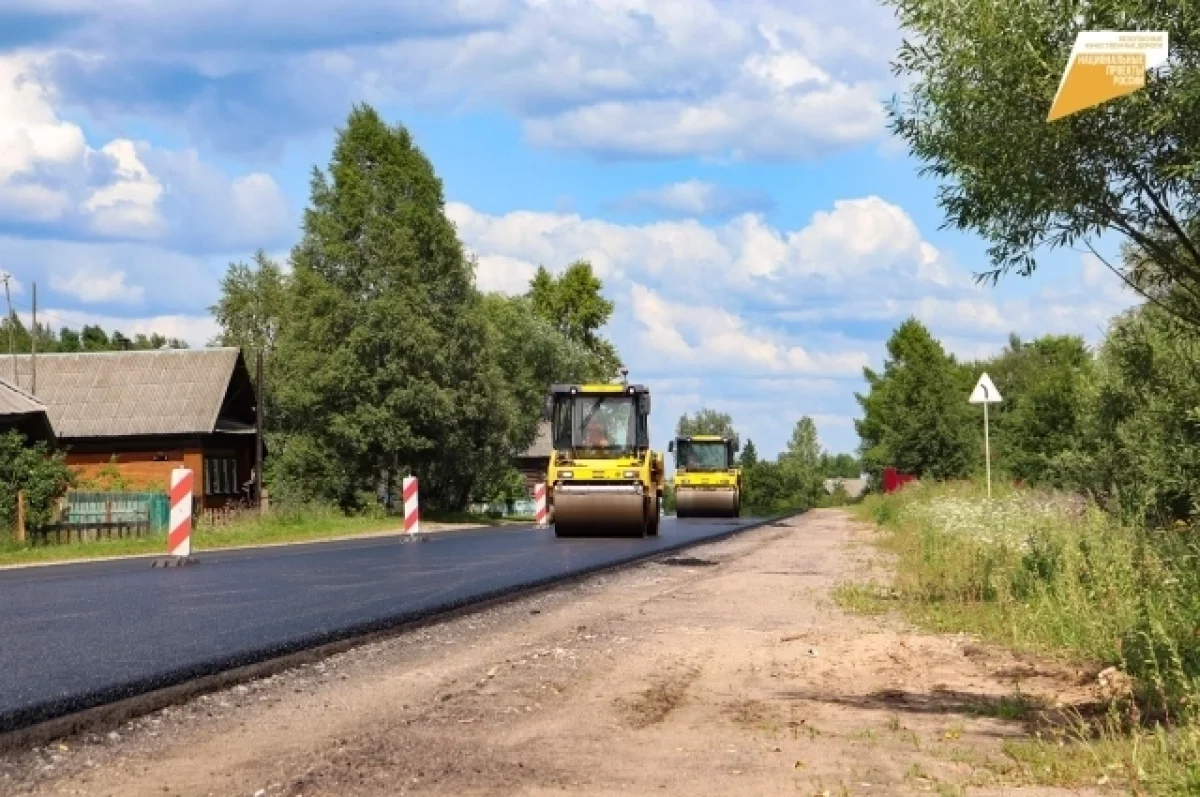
73, 637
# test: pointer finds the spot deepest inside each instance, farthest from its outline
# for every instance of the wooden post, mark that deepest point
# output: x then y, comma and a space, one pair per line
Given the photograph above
258, 435
20, 516
33, 346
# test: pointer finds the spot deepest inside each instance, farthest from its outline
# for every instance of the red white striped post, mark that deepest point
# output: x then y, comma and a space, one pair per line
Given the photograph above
179, 535
539, 512
412, 523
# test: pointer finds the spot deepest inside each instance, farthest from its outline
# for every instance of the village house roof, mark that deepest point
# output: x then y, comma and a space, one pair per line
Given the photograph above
135, 393
15, 401
20, 410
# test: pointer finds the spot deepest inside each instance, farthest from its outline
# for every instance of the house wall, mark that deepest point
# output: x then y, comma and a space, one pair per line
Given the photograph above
146, 468
239, 448
148, 463
533, 469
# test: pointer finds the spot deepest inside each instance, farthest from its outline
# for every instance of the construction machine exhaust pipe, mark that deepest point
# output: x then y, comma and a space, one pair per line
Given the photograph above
601, 510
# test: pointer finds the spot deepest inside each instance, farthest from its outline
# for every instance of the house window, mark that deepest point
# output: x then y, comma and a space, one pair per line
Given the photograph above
220, 476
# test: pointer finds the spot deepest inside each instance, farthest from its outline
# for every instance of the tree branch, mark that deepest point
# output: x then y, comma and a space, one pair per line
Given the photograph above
1180, 316
1168, 216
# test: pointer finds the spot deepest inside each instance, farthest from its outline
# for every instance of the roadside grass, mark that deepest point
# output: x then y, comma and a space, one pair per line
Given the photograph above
1050, 573
307, 524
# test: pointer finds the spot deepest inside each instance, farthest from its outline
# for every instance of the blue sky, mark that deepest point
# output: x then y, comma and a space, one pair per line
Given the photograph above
725, 166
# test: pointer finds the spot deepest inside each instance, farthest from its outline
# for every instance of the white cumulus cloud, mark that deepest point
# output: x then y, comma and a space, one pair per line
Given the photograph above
695, 198
863, 247
96, 284
710, 336
53, 179
625, 78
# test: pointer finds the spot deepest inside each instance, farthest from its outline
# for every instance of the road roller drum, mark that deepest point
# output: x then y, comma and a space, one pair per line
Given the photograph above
697, 502
599, 512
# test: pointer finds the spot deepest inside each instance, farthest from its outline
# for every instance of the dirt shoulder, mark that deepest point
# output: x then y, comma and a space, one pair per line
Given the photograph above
727, 669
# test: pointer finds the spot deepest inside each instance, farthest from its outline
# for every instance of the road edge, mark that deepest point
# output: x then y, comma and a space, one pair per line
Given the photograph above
398, 532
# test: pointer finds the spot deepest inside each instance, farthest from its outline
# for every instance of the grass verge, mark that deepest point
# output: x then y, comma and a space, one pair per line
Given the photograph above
279, 526
1049, 573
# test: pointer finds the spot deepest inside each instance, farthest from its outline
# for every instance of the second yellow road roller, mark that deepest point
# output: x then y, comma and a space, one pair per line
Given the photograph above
603, 480
707, 481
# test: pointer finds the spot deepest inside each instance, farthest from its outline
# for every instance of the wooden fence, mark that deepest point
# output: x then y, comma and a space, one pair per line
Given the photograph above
87, 516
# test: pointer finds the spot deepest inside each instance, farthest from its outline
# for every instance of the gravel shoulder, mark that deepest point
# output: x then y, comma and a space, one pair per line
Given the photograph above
726, 669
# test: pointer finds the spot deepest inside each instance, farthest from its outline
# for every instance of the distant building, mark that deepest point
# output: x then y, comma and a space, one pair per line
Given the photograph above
148, 412
534, 462
853, 487
21, 412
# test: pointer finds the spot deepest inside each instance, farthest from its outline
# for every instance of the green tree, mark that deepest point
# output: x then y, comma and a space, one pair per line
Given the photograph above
804, 447
11, 328
1139, 448
94, 338
915, 414
845, 466
764, 487
706, 421
68, 340
252, 305
981, 79
749, 456
1041, 417
779, 486
42, 475
384, 364
536, 354
574, 304
801, 462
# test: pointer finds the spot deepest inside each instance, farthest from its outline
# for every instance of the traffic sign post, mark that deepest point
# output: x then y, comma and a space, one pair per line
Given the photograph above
985, 393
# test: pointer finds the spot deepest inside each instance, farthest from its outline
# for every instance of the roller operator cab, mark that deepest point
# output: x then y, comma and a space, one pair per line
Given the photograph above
708, 482
603, 479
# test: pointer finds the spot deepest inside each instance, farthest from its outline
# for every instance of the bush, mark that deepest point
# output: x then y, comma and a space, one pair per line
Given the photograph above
43, 476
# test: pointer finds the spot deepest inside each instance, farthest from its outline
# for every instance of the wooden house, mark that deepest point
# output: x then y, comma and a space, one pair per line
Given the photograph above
140, 414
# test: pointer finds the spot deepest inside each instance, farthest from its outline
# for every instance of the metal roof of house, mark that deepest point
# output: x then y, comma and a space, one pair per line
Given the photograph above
127, 393
15, 401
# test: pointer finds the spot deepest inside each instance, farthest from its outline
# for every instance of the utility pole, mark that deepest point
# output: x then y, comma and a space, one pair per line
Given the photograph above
33, 347
12, 328
258, 434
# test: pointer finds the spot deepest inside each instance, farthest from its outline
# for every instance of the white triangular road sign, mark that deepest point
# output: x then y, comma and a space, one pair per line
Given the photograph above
985, 392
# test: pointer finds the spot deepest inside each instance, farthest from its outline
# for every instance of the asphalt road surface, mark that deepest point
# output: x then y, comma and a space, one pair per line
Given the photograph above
74, 637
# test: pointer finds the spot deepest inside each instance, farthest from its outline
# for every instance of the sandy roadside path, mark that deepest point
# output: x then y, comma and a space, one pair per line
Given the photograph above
725, 670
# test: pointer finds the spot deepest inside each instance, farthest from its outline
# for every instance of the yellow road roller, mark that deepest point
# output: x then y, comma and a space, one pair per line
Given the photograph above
707, 481
603, 479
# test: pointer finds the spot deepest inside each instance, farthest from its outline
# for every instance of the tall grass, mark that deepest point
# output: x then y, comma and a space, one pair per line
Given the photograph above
1047, 571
